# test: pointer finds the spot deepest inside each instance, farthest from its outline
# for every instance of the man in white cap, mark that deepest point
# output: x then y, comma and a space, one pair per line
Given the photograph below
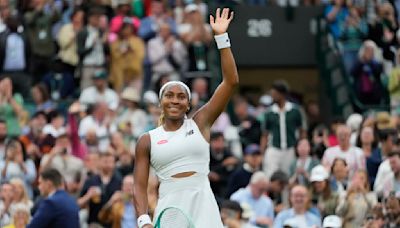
332, 221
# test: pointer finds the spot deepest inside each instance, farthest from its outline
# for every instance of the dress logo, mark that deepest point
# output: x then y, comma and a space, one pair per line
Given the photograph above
163, 141
189, 133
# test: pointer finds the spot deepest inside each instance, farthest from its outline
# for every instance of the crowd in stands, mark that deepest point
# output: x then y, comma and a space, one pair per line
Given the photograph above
79, 83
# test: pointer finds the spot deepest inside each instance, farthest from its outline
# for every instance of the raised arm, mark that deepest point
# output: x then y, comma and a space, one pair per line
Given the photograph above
207, 114
141, 175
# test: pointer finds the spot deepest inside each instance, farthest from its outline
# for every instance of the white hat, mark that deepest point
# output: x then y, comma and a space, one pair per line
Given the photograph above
130, 94
265, 100
332, 221
150, 97
290, 222
191, 8
319, 173
354, 121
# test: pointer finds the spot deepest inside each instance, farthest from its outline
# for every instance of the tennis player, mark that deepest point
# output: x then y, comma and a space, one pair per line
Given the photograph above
178, 149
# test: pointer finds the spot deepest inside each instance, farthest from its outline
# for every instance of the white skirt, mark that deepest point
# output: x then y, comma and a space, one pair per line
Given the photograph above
193, 195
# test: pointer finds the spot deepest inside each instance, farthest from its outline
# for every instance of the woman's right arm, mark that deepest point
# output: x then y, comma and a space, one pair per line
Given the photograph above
141, 175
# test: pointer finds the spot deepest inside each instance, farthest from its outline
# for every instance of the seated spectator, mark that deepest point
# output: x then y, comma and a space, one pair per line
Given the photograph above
232, 215
253, 195
358, 202
41, 98
99, 91
21, 216
18, 165
298, 213
131, 115
353, 155
391, 182
319, 142
21, 196
99, 124
6, 202
15, 56
240, 178
222, 164
127, 55
61, 159
119, 210
336, 13
304, 163
197, 36
98, 189
277, 189
322, 197
68, 53
12, 108
57, 209
166, 53
125, 163
55, 127
91, 45
387, 140
366, 73
122, 12
200, 94
369, 145
339, 180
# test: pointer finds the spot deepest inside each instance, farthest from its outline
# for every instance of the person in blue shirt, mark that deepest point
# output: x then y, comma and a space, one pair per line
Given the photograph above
253, 196
336, 15
298, 213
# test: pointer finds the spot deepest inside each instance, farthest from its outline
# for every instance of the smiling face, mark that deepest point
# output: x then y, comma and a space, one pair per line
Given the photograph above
175, 102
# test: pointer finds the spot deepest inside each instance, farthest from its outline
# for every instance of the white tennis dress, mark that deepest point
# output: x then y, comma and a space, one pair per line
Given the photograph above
184, 150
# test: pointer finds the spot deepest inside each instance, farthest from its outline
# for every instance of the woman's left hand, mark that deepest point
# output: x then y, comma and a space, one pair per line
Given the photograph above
221, 22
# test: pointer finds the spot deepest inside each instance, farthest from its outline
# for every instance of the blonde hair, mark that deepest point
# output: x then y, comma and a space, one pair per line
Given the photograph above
20, 183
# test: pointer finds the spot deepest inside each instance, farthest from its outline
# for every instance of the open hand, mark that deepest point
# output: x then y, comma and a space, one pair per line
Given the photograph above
221, 22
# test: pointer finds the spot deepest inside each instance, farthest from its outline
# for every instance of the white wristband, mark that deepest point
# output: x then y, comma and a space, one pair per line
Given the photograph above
143, 220
222, 40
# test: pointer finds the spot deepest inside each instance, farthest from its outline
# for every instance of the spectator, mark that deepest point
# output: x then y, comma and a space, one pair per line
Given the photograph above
98, 189
232, 215
298, 213
339, 180
249, 128
38, 26
127, 54
367, 142
122, 16
21, 216
91, 44
125, 163
253, 195
99, 91
336, 14
304, 163
367, 75
353, 155
387, 140
15, 56
58, 209
197, 36
391, 183
118, 145
61, 159
166, 53
7, 197
18, 165
277, 190
68, 53
119, 209
222, 164
240, 178
354, 121
132, 116
282, 117
322, 197
3, 138
20, 196
200, 94
358, 202
55, 127
41, 98
11, 105
320, 141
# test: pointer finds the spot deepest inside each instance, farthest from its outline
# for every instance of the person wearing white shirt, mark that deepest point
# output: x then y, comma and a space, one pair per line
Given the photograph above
99, 92
354, 156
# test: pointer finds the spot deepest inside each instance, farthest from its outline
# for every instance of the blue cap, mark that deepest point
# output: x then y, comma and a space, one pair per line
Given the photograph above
100, 74
252, 149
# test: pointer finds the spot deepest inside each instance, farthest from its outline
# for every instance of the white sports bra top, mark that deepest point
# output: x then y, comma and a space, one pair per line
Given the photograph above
179, 151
